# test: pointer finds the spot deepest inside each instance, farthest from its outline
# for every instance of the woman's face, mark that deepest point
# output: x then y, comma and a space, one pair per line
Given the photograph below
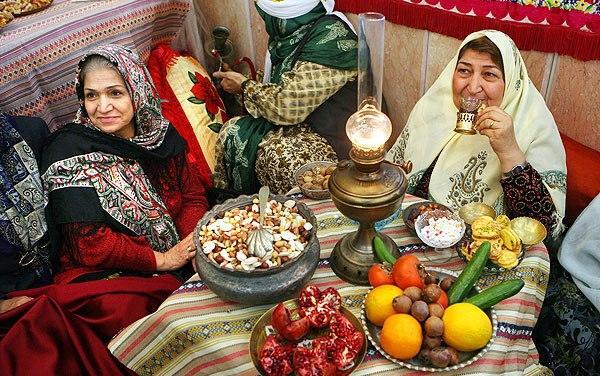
108, 102
477, 76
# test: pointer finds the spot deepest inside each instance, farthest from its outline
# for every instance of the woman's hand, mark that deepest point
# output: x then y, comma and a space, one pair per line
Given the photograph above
8, 304
231, 81
497, 125
176, 257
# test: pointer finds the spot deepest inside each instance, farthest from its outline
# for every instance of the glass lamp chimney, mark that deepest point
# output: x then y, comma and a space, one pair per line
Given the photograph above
368, 129
371, 36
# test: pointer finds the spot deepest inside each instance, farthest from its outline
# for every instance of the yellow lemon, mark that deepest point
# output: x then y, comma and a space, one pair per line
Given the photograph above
401, 336
378, 304
466, 327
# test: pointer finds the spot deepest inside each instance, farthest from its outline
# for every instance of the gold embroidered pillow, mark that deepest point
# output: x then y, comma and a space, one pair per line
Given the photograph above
191, 101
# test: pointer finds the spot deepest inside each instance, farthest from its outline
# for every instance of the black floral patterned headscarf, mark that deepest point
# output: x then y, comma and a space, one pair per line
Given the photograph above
151, 126
103, 172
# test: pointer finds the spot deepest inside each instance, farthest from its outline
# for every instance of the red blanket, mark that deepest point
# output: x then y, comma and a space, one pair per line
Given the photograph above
64, 330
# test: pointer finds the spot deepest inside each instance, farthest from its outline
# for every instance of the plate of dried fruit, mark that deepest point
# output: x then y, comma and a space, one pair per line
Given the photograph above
507, 249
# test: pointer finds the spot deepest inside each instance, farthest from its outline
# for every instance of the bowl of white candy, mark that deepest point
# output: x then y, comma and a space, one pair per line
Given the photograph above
439, 229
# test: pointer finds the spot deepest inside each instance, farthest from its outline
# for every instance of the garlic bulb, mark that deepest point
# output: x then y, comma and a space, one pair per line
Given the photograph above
260, 242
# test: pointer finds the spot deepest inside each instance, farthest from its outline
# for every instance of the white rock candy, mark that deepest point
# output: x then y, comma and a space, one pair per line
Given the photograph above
442, 231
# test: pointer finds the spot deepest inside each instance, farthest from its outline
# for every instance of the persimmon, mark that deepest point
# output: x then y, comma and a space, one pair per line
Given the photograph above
406, 272
380, 275
443, 300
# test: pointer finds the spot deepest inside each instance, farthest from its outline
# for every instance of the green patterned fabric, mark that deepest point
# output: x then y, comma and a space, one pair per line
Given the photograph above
331, 43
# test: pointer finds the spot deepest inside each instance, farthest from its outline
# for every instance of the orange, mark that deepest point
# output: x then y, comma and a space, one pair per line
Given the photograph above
401, 336
466, 327
378, 303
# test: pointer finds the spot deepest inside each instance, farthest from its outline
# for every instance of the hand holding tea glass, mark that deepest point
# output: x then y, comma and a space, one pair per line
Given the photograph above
467, 115
497, 126
440, 229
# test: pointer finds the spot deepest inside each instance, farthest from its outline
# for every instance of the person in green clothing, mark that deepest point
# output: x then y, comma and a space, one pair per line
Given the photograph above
298, 113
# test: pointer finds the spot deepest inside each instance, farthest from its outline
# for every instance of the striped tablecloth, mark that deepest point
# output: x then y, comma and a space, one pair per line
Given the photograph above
196, 333
39, 52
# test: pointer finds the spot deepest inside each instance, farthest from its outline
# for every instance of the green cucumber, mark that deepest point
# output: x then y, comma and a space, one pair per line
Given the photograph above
470, 274
382, 252
495, 294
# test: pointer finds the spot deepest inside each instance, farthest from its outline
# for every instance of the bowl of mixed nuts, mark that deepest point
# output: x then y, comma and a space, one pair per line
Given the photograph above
312, 178
238, 270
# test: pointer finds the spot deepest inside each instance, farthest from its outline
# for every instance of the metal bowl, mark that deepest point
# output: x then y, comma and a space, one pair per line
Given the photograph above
490, 267
531, 231
258, 286
372, 331
473, 210
262, 329
315, 194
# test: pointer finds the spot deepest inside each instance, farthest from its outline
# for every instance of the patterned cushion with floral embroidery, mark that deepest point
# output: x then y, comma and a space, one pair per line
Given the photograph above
190, 100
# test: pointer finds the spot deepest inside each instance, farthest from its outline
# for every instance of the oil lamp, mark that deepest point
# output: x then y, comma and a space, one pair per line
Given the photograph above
365, 188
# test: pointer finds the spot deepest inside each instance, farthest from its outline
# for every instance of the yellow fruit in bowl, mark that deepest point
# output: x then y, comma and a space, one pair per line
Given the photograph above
378, 303
401, 336
466, 327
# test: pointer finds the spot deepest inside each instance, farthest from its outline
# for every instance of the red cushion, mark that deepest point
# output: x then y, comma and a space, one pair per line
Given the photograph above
191, 106
583, 176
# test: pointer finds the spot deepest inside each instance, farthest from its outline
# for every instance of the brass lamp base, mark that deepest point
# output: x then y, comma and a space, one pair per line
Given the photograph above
366, 189
366, 197
351, 258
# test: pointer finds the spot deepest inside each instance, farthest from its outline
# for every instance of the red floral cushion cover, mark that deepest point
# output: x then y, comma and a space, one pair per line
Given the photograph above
190, 102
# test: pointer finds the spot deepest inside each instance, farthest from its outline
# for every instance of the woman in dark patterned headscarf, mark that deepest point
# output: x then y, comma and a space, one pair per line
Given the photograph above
298, 113
122, 198
123, 203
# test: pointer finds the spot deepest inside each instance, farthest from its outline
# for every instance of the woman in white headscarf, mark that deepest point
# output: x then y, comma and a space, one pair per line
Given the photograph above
298, 114
516, 162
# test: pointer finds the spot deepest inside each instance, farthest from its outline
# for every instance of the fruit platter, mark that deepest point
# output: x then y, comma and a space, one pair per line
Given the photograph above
311, 335
432, 319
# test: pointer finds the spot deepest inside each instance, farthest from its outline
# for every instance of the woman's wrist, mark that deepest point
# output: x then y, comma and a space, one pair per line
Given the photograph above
516, 170
160, 261
508, 162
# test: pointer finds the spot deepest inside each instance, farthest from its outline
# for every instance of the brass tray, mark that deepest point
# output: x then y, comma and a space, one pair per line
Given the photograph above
259, 334
490, 267
466, 358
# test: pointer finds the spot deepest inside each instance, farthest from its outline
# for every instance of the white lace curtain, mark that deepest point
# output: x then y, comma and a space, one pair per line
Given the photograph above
190, 37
